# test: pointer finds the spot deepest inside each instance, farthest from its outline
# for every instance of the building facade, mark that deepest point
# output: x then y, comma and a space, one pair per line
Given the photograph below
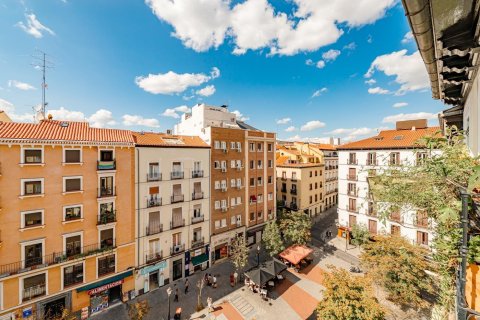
242, 174
173, 208
66, 220
359, 162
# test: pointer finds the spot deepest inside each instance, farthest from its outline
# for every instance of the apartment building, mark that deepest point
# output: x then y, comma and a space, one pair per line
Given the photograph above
66, 218
330, 156
173, 209
359, 161
242, 175
300, 179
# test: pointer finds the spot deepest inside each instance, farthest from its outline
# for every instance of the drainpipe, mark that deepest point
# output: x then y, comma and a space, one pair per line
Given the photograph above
462, 276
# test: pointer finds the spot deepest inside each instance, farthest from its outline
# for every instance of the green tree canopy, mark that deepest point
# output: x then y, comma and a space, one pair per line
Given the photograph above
295, 227
360, 234
272, 239
348, 297
239, 252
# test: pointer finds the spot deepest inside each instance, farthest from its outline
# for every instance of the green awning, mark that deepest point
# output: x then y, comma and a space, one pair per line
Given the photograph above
199, 259
105, 281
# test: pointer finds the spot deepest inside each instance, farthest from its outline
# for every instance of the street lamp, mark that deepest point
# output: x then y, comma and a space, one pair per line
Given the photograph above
258, 255
169, 293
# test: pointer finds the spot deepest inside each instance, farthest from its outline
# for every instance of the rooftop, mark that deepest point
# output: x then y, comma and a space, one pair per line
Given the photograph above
153, 139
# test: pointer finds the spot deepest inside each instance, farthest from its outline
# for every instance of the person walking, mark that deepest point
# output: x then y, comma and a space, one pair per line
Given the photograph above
176, 295
187, 284
214, 282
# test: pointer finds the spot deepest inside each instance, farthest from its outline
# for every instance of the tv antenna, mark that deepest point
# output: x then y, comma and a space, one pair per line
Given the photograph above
42, 63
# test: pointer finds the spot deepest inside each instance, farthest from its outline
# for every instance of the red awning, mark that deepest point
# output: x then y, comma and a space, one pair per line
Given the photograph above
296, 253
253, 198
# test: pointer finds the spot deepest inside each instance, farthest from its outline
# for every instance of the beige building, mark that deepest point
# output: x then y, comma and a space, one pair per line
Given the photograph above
172, 205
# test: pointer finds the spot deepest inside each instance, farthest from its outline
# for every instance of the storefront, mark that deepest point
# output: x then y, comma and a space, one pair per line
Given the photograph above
105, 293
53, 307
220, 243
154, 276
254, 235
177, 268
196, 260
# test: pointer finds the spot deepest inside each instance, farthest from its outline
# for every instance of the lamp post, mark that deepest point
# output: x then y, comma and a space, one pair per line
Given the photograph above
258, 255
169, 293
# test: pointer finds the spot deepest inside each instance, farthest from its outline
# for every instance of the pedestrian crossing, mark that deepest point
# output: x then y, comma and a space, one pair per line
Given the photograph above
243, 306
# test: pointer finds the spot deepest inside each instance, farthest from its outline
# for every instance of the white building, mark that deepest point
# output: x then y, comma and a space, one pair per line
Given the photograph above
362, 159
172, 208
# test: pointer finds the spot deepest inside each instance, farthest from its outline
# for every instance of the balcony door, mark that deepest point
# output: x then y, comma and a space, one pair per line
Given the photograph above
153, 222
106, 185
177, 219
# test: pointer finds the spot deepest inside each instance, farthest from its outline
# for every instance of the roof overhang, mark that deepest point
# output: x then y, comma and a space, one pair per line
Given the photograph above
447, 36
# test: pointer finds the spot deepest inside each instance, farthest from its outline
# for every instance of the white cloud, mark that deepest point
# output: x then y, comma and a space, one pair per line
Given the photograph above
207, 91
309, 139
320, 64
255, 24
370, 81
20, 85
290, 129
33, 26
331, 54
312, 125
240, 116
284, 121
309, 62
319, 92
6, 106
101, 118
378, 90
407, 37
410, 116
409, 70
65, 114
173, 112
171, 82
350, 46
136, 120
400, 104
349, 134
9, 108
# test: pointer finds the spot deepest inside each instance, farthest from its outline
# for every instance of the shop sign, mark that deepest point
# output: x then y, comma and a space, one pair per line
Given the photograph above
105, 287
159, 266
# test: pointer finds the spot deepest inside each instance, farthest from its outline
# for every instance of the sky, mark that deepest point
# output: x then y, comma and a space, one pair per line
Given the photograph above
306, 69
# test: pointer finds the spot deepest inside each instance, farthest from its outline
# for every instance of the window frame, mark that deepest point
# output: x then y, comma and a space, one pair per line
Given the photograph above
62, 275
73, 234
22, 156
104, 256
21, 286
29, 243
64, 179
22, 219
64, 153
22, 187
64, 212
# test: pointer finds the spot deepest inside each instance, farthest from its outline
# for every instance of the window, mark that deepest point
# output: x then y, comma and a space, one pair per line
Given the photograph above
311, 186
239, 163
259, 147
311, 174
224, 203
32, 219
73, 244
270, 179
259, 181
316, 173
233, 220
232, 202
352, 205
252, 147
224, 223
316, 197
270, 163
72, 156
232, 145
72, 184
371, 158
106, 187
252, 182
106, 265
372, 226
270, 147
32, 187
224, 145
106, 155
107, 239
32, 156
422, 238
259, 164
232, 183
351, 190
217, 224
217, 204
352, 220
216, 144
260, 198
421, 156
260, 214
153, 171
33, 253
239, 182
311, 199
232, 164
72, 275
394, 158
239, 200
252, 164
252, 216
352, 158
216, 164
34, 286
239, 146
224, 164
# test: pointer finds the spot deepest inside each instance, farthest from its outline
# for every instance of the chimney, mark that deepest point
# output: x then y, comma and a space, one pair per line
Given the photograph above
412, 124
169, 131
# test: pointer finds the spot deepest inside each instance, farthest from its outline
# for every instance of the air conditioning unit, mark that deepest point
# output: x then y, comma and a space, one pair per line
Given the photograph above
224, 189
224, 169
224, 209
225, 150
177, 248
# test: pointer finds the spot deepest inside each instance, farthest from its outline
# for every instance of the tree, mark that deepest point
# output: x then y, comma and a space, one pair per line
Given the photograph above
239, 252
432, 186
200, 284
272, 239
399, 267
295, 227
138, 310
360, 234
348, 297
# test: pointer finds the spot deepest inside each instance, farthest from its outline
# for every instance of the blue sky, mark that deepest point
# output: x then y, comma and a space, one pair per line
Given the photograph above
295, 67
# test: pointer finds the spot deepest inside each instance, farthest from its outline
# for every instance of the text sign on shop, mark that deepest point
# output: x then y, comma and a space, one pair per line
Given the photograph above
105, 287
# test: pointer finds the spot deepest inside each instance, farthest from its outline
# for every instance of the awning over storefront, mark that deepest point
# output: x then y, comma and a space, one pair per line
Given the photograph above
105, 281
199, 259
158, 266
295, 253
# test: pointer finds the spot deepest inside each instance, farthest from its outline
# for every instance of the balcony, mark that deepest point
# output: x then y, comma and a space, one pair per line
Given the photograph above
198, 219
352, 177
353, 209
283, 190
352, 161
108, 268
177, 249
371, 162
421, 222
153, 228
106, 192
198, 243
153, 256
176, 198
197, 195
293, 191
175, 175
294, 179
177, 224
197, 174
352, 193
107, 217
34, 292
154, 202
293, 206
51, 259
154, 176
106, 165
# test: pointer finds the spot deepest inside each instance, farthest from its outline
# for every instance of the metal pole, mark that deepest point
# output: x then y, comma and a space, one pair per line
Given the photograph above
461, 305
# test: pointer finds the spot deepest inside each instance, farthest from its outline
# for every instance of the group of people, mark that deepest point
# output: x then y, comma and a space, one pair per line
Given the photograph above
252, 286
210, 280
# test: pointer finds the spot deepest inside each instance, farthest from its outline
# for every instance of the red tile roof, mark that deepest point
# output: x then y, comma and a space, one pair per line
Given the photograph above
392, 139
152, 139
63, 132
324, 146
